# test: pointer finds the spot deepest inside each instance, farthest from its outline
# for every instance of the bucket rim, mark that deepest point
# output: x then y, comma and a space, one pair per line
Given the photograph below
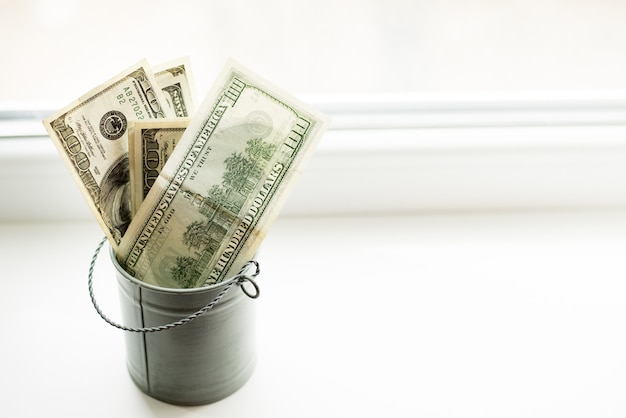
155, 288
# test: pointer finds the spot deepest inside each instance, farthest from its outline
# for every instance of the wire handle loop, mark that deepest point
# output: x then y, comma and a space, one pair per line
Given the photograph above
240, 279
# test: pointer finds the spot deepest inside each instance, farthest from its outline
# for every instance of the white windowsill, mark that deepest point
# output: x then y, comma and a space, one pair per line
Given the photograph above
448, 315
496, 310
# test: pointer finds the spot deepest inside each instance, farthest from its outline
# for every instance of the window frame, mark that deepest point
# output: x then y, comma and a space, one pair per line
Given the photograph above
386, 154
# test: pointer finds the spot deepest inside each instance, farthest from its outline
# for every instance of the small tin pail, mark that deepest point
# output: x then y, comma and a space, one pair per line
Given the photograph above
187, 346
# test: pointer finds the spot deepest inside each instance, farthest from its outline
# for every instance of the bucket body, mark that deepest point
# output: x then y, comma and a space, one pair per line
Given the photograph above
200, 362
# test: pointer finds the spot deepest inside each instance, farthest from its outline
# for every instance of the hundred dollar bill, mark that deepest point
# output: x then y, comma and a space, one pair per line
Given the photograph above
150, 145
223, 185
176, 82
91, 136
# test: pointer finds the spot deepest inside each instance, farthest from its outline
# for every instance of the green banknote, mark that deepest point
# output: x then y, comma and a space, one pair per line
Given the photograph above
91, 134
223, 186
176, 83
151, 142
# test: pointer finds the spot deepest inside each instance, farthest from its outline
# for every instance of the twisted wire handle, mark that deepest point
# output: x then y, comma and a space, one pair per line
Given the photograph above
239, 279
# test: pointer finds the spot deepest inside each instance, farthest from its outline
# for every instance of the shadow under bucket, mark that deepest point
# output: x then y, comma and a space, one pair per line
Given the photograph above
187, 346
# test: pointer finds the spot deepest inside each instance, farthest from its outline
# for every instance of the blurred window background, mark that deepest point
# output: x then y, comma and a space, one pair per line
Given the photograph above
435, 104
54, 51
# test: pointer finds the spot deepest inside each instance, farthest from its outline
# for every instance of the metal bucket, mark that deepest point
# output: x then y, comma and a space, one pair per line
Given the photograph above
187, 346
